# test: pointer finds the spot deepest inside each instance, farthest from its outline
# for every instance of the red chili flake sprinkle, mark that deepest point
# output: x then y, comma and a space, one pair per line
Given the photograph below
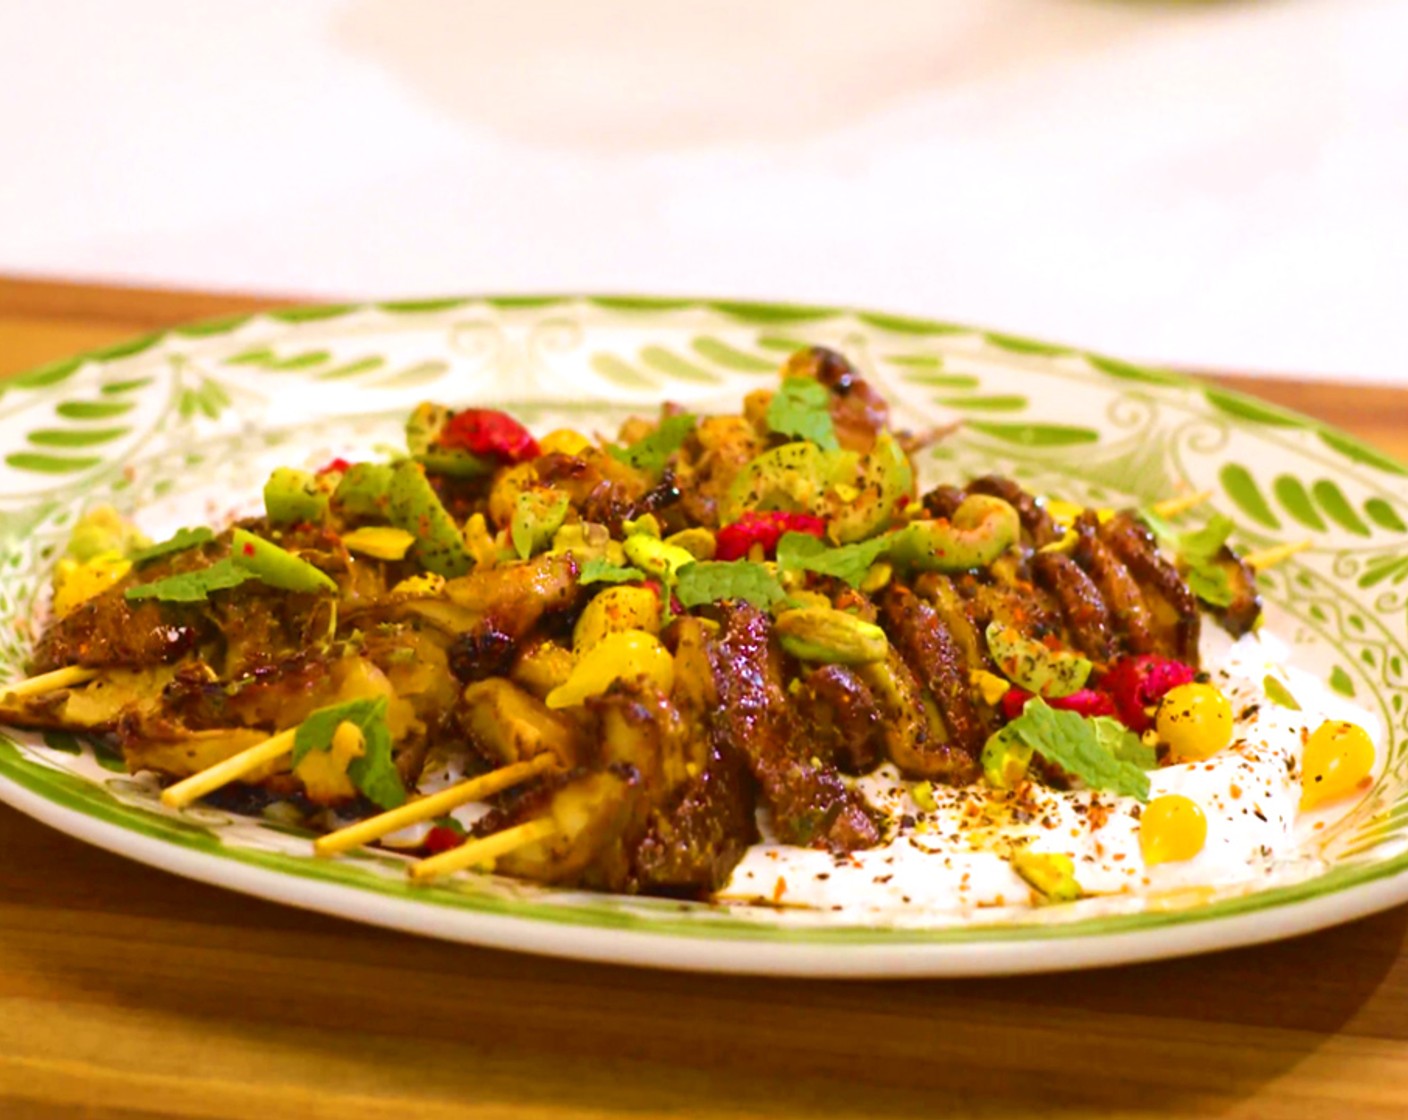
734, 542
248, 550
336, 465
779, 889
488, 432
442, 839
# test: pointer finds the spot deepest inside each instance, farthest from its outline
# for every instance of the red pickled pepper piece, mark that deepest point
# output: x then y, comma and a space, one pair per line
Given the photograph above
1138, 683
1086, 702
442, 839
489, 433
735, 541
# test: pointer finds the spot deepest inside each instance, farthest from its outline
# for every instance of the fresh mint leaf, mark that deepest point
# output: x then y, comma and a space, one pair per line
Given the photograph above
1071, 741
1123, 743
1205, 543
374, 773
800, 408
1210, 583
795, 550
1278, 693
1197, 545
653, 451
182, 540
600, 570
802, 552
1162, 528
316, 731
712, 581
191, 587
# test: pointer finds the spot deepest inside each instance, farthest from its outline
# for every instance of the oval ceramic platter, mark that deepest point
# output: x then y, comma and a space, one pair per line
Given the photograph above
183, 426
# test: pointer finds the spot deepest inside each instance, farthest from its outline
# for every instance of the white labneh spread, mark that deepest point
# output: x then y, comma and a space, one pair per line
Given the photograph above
953, 858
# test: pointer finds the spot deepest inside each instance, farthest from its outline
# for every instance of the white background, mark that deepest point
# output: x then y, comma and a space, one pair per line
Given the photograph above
1207, 183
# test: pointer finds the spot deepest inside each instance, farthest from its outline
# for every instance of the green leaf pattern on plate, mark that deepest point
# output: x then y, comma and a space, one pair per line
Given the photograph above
141, 423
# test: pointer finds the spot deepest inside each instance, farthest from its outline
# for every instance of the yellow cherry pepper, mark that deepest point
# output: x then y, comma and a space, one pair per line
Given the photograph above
1339, 757
1172, 828
1195, 720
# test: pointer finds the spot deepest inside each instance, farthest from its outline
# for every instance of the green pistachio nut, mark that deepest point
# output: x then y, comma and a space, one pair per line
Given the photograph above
1050, 874
831, 636
656, 558
1029, 664
698, 542
646, 525
362, 490
1005, 760
537, 515
103, 529
981, 530
292, 496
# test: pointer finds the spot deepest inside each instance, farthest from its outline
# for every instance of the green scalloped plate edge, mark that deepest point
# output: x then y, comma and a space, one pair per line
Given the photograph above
1244, 406
847, 950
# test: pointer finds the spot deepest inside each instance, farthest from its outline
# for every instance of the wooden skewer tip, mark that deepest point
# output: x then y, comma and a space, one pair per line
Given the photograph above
1172, 507
1270, 557
52, 681
484, 850
227, 770
433, 805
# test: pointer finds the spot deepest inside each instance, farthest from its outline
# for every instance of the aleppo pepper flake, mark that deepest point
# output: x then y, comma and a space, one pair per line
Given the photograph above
1138, 683
734, 542
337, 466
490, 433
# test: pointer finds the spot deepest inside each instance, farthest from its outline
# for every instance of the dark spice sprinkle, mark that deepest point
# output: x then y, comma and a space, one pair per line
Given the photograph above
822, 876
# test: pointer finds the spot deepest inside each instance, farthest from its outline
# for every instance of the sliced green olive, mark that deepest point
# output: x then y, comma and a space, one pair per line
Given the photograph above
980, 531
291, 496
413, 505
1029, 664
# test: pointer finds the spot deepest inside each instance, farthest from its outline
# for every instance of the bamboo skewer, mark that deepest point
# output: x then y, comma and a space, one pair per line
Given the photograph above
1270, 557
433, 805
1172, 507
228, 770
52, 681
485, 850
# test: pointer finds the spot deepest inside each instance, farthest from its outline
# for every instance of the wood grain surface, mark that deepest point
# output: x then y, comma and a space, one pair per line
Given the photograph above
128, 993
